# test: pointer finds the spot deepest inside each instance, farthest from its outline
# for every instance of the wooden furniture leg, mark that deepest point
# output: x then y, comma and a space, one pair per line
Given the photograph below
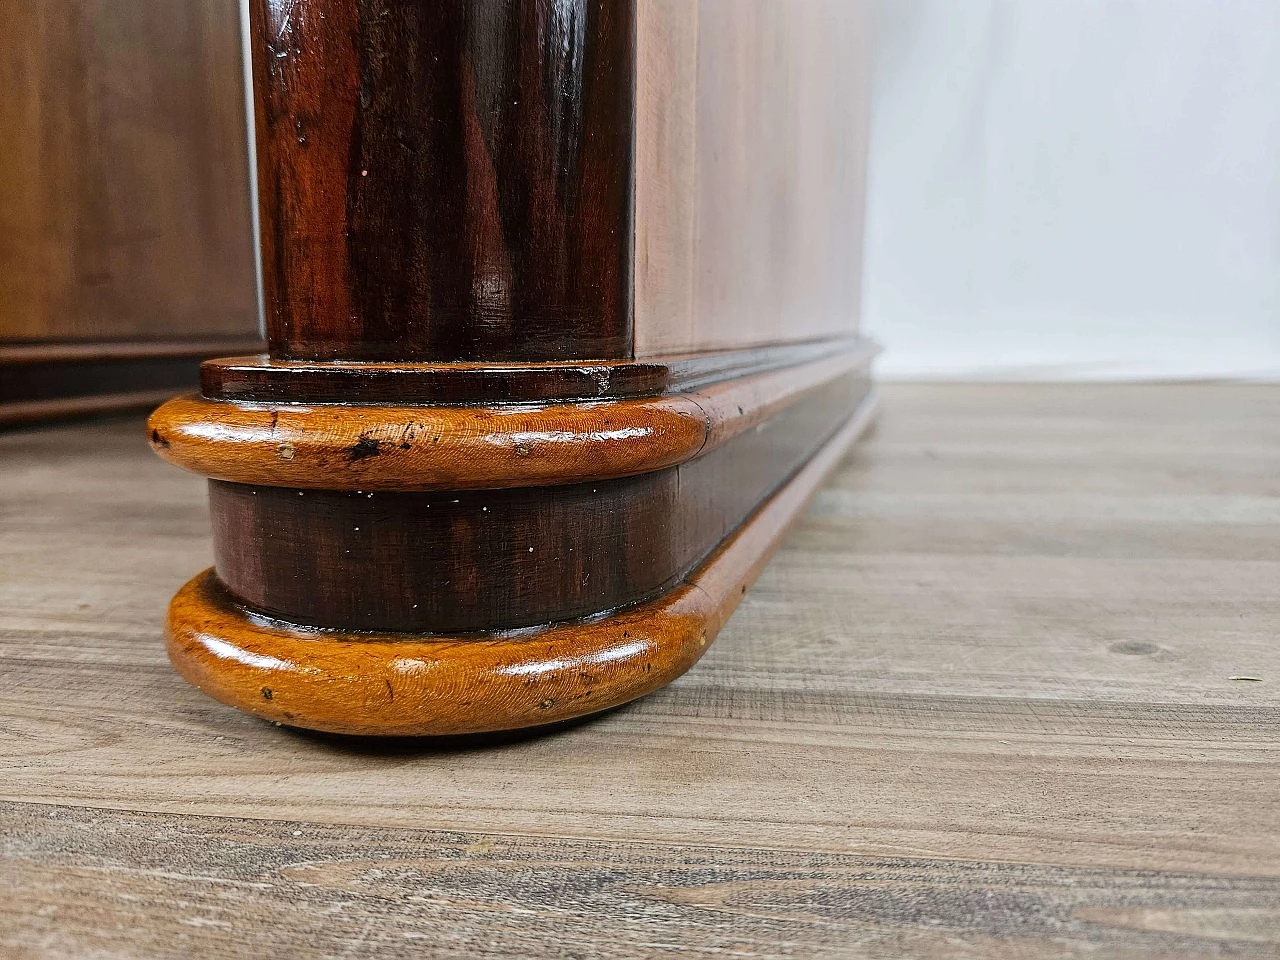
527, 429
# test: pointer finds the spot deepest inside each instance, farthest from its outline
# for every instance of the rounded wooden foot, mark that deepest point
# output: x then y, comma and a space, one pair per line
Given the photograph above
402, 684
398, 684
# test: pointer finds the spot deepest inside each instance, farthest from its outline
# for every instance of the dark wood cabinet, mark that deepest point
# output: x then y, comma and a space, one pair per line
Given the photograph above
126, 248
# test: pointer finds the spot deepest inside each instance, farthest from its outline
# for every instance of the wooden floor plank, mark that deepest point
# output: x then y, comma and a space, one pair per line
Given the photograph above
156, 885
981, 704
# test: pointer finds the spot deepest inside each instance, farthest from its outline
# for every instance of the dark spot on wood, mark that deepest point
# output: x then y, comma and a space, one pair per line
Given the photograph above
546, 704
158, 440
366, 446
266, 693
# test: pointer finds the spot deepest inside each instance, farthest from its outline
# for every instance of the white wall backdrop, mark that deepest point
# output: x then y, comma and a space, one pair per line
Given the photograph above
1076, 189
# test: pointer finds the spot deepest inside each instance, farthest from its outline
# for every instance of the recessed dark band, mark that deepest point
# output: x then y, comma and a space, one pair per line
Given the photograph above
504, 559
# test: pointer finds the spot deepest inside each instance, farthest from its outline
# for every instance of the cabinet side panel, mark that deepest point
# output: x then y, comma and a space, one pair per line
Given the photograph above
124, 206
751, 171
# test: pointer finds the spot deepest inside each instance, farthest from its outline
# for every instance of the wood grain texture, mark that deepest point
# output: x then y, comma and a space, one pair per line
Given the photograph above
447, 181
359, 447
124, 205
469, 560
381, 684
979, 705
214, 887
751, 133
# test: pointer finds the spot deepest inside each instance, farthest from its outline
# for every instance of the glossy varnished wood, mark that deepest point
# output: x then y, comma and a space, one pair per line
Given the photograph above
978, 705
445, 181
379, 684
259, 379
382, 447
467, 560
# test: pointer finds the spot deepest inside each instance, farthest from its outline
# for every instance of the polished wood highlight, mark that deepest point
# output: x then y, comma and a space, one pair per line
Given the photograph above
467, 560
374, 684
445, 181
351, 447
978, 705
751, 144
124, 205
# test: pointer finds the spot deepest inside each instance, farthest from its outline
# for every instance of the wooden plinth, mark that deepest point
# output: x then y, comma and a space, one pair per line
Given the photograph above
398, 684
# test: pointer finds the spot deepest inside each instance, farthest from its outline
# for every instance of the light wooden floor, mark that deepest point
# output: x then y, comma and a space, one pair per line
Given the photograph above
982, 705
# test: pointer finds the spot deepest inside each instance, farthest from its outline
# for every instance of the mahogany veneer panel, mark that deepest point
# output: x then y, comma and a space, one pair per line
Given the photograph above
751, 127
124, 204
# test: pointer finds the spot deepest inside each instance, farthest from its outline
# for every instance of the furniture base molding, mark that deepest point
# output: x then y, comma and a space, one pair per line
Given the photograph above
400, 568
397, 683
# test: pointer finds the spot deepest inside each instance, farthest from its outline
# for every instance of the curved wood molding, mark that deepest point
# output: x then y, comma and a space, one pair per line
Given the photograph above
416, 448
451, 454
398, 684
425, 448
